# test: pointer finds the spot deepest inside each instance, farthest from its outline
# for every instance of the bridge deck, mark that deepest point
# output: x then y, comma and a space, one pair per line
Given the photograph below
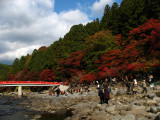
28, 83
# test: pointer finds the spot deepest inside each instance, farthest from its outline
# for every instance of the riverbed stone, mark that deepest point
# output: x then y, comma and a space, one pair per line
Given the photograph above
37, 116
156, 99
75, 117
116, 117
142, 118
153, 109
152, 95
110, 109
123, 112
150, 102
129, 116
151, 116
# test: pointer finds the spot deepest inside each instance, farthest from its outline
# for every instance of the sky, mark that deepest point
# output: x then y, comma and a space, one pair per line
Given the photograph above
26, 25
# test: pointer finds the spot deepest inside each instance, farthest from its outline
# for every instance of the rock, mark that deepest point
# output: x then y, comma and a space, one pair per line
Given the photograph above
52, 112
138, 107
26, 116
151, 116
91, 93
37, 116
74, 112
111, 109
157, 117
139, 102
152, 95
142, 118
156, 99
129, 108
114, 92
150, 102
129, 116
99, 117
121, 92
123, 112
121, 107
153, 109
75, 117
68, 118
97, 107
84, 113
116, 117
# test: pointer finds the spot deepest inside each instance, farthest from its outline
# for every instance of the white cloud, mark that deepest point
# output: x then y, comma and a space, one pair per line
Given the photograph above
17, 53
29, 24
99, 6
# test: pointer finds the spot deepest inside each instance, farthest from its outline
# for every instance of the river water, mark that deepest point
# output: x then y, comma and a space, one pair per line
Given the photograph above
11, 108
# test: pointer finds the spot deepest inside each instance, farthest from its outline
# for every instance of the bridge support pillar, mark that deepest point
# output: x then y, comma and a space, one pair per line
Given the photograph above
19, 90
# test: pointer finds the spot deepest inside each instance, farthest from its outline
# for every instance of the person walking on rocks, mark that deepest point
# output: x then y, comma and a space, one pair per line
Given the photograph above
144, 86
106, 95
101, 96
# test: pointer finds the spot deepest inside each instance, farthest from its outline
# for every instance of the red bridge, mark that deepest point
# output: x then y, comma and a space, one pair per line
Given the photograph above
27, 83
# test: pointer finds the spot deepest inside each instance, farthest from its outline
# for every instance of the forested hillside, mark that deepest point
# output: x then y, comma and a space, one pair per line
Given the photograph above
126, 41
4, 71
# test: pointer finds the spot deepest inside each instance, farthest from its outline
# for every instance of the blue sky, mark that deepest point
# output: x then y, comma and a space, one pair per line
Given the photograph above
84, 5
26, 25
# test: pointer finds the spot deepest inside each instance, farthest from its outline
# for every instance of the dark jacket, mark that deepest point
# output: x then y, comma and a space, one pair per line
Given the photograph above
106, 94
100, 93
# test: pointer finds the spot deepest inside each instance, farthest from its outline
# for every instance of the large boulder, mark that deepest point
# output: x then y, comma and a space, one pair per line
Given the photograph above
150, 102
129, 116
75, 117
101, 115
116, 117
110, 109
151, 116
153, 109
152, 95
156, 99
142, 118
97, 107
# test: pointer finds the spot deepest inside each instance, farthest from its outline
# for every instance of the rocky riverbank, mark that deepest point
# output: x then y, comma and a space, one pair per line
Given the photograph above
87, 107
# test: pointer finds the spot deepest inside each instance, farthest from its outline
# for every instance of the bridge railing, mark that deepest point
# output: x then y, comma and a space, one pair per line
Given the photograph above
29, 82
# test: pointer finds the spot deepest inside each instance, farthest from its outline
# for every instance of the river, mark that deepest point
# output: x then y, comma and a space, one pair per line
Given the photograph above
16, 108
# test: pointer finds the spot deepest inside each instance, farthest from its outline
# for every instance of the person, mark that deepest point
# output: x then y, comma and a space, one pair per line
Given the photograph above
81, 90
106, 95
128, 85
58, 91
101, 96
135, 82
150, 79
144, 86
114, 81
133, 88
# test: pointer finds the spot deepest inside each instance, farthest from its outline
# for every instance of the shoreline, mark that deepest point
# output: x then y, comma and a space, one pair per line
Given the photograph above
86, 106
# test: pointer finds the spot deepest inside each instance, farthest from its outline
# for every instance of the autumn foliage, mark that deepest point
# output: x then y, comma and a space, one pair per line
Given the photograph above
47, 75
105, 57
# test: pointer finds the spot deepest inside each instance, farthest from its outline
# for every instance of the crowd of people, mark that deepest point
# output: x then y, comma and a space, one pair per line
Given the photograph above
77, 89
104, 88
